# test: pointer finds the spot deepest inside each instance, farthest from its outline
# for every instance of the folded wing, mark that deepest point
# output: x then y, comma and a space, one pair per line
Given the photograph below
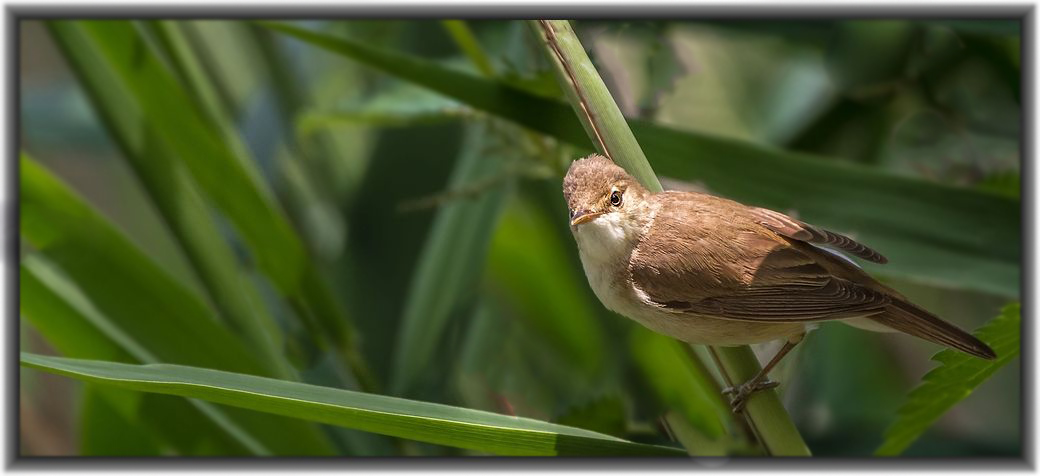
729, 267
794, 229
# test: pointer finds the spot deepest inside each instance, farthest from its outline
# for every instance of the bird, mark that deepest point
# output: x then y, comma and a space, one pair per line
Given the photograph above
707, 270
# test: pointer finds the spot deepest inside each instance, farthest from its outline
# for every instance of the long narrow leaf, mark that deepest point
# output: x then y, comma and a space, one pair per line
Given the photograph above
468, 43
194, 137
429, 422
957, 376
169, 184
930, 232
71, 331
193, 133
59, 311
450, 264
121, 280
686, 390
312, 298
109, 425
529, 264
401, 106
146, 312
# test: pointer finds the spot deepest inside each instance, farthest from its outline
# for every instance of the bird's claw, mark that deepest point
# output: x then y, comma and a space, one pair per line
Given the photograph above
739, 395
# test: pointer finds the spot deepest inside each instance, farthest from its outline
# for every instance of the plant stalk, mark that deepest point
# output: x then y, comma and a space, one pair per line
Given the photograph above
611, 135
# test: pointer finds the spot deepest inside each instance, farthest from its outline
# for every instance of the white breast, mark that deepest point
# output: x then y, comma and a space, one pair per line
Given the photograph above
605, 246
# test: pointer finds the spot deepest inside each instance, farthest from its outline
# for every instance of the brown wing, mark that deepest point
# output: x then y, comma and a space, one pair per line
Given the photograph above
705, 256
798, 230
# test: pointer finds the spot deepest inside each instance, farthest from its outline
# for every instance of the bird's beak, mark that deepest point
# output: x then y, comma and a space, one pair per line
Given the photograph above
583, 216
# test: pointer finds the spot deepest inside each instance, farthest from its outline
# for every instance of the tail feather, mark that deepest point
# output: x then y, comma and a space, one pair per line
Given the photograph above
908, 318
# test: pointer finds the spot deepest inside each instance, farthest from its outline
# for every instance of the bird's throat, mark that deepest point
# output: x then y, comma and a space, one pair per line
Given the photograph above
609, 237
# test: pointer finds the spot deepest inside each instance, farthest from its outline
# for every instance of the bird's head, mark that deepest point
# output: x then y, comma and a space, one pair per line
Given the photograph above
602, 196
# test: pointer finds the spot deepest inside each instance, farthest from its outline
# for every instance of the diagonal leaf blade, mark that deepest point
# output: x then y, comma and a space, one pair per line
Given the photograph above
529, 265
451, 260
109, 426
67, 319
192, 135
398, 107
121, 280
670, 373
195, 138
174, 192
136, 305
422, 421
957, 376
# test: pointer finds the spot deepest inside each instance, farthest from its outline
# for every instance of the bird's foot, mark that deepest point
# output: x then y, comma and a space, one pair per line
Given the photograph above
739, 395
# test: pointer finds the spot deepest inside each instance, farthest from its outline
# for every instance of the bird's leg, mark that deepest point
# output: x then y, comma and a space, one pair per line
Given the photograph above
739, 395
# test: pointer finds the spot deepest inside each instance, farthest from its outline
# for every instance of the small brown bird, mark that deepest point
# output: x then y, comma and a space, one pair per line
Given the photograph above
707, 270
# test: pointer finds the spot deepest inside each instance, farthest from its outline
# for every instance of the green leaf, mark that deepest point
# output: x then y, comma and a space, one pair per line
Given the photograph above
232, 67
193, 136
919, 225
65, 319
1007, 183
468, 43
984, 27
869, 56
199, 137
109, 283
452, 257
47, 304
530, 266
172, 41
398, 106
957, 376
169, 184
59, 311
510, 366
678, 384
605, 414
421, 421
108, 424
121, 281
695, 442
305, 188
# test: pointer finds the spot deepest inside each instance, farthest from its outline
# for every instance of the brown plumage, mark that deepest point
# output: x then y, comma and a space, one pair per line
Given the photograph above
710, 270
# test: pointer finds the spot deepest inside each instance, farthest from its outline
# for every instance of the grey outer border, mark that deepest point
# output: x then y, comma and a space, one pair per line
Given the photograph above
514, 10
1028, 240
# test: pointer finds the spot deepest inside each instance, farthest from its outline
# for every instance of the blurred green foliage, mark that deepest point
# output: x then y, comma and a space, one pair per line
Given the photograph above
217, 194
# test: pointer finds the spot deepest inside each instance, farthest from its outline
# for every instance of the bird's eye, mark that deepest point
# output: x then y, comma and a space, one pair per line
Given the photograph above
615, 198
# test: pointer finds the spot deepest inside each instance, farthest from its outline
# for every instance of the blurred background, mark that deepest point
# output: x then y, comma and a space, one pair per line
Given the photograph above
440, 230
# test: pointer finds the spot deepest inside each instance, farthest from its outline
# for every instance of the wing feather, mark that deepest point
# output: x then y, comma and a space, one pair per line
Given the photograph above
798, 230
724, 265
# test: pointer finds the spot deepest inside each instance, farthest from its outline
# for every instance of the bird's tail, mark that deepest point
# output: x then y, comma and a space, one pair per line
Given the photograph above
905, 317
